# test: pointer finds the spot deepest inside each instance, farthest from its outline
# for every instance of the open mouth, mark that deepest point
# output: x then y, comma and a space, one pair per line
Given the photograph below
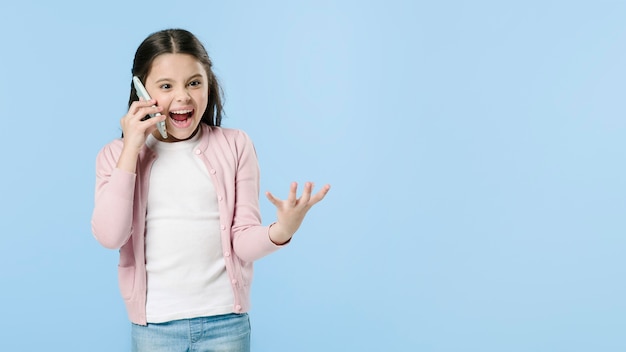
181, 118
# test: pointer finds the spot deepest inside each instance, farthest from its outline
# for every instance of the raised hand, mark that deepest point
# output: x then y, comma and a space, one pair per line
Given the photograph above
291, 211
136, 130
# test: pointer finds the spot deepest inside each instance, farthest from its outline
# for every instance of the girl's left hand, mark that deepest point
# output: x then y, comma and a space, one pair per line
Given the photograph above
290, 212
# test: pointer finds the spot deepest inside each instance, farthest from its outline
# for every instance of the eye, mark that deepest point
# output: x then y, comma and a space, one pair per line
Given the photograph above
195, 83
166, 86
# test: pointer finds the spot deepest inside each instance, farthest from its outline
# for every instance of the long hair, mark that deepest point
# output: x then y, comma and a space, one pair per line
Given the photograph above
178, 41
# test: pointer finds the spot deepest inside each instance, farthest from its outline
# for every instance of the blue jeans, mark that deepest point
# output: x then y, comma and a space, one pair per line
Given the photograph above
221, 333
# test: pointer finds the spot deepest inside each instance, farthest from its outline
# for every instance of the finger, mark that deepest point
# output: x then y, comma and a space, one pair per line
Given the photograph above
306, 193
291, 199
137, 112
272, 199
137, 104
153, 120
320, 194
144, 111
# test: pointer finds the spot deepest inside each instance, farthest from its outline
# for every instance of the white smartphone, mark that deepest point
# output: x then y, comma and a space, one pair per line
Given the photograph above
143, 93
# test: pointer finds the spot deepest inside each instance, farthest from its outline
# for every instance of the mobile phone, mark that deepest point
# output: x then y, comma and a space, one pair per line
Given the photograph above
143, 93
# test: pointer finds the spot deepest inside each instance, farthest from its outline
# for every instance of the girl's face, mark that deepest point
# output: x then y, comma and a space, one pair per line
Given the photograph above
180, 85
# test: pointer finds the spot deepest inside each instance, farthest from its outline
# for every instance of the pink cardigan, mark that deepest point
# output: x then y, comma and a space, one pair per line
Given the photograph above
119, 214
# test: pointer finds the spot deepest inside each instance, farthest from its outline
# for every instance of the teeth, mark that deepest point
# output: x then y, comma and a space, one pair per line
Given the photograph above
181, 112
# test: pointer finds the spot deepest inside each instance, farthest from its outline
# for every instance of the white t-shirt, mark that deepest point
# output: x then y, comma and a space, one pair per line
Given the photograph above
185, 266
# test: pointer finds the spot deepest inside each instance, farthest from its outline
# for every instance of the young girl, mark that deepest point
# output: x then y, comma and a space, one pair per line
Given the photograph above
184, 210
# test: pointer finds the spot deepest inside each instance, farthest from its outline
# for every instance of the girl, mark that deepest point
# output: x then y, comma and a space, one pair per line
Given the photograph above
184, 210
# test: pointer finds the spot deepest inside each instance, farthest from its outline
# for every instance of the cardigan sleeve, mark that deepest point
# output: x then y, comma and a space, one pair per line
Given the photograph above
111, 221
251, 239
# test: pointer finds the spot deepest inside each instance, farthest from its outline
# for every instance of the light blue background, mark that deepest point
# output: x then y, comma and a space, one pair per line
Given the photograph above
475, 150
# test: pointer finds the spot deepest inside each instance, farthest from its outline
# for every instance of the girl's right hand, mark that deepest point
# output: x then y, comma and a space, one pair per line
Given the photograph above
135, 130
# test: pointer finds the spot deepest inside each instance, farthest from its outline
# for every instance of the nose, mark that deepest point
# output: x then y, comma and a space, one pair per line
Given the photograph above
182, 95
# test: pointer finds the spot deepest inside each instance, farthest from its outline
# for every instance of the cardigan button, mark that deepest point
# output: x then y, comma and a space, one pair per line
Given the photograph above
227, 254
212, 171
198, 152
238, 308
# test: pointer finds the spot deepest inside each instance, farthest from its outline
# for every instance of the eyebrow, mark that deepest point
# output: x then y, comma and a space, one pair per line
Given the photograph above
197, 75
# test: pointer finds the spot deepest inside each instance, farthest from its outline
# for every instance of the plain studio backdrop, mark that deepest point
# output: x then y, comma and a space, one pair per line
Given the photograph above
475, 151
